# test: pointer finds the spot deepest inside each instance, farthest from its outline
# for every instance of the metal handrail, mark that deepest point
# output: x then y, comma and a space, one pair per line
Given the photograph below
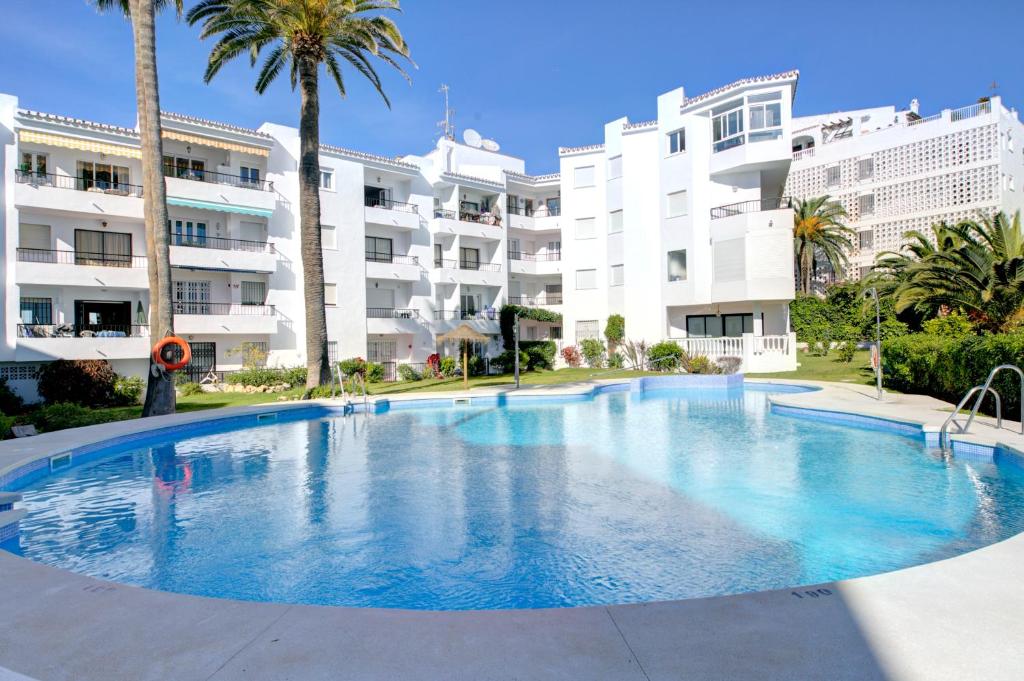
984, 389
219, 243
391, 205
52, 256
755, 206
37, 179
214, 177
391, 259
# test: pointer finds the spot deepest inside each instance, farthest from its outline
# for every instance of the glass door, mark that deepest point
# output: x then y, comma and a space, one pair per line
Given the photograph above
192, 297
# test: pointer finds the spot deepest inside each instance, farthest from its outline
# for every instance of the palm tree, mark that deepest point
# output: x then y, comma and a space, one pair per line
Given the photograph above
160, 397
818, 229
302, 35
976, 267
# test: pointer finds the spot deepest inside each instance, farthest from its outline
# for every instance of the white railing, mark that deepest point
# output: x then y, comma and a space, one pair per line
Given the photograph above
970, 111
803, 153
770, 344
713, 348
919, 121
759, 354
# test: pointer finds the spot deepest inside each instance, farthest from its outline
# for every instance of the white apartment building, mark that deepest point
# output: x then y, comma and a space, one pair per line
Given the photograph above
679, 224
895, 171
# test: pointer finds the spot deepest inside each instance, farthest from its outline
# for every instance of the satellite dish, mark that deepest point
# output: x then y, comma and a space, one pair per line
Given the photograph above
472, 137
490, 145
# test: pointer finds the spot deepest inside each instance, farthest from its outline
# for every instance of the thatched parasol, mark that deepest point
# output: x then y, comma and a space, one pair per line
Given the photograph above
466, 334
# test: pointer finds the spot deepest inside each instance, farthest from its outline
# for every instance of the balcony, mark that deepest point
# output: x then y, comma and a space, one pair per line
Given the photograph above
538, 219
752, 251
391, 213
219, 191
220, 318
755, 206
387, 320
211, 177
467, 223
70, 194
538, 301
392, 267
43, 342
79, 268
483, 321
466, 272
216, 253
548, 263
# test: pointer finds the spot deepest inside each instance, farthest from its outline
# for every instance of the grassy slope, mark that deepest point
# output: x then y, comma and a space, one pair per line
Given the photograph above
813, 368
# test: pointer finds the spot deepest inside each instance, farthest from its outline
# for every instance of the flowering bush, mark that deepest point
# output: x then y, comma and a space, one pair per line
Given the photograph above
434, 365
572, 356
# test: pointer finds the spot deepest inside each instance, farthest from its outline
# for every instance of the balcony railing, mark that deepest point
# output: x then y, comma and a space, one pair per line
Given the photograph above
219, 243
83, 330
391, 313
79, 183
520, 210
540, 301
479, 266
467, 216
392, 205
80, 258
390, 258
233, 309
755, 206
217, 178
535, 257
459, 315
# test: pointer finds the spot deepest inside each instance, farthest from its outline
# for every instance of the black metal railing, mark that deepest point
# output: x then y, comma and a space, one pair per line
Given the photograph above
83, 330
468, 216
78, 183
220, 243
233, 309
535, 257
392, 205
80, 258
755, 206
540, 301
446, 315
520, 210
479, 266
217, 178
372, 256
446, 264
391, 313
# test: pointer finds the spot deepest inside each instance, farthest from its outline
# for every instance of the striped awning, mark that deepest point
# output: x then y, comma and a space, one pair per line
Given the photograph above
210, 142
79, 144
222, 207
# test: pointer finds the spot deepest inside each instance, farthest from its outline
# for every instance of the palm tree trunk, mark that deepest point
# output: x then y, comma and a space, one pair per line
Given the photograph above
317, 363
806, 265
160, 397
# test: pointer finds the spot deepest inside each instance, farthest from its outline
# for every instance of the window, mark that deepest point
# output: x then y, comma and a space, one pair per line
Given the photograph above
249, 175
765, 116
584, 176
187, 233
470, 304
531, 333
586, 228
832, 176
326, 179
555, 333
36, 311
615, 275
102, 176
36, 238
735, 325
328, 237
866, 168
332, 352
379, 249
677, 141
677, 204
586, 279
727, 126
615, 222
554, 206
866, 203
587, 328
677, 265
254, 292
703, 326
113, 249
615, 167
438, 256
33, 163
330, 295
188, 168
469, 258
553, 294
192, 297
866, 240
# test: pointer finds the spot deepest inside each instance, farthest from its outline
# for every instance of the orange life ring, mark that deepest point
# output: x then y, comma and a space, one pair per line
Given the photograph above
162, 353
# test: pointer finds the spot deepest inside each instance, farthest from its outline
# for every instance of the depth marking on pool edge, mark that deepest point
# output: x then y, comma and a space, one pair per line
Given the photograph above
812, 593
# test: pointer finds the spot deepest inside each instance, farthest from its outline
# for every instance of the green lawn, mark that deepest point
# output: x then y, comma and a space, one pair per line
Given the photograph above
197, 403
527, 378
830, 368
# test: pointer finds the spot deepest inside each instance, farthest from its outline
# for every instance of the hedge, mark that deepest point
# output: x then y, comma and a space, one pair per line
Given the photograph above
506, 320
947, 368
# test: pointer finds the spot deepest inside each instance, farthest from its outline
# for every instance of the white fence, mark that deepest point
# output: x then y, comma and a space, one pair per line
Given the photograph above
759, 354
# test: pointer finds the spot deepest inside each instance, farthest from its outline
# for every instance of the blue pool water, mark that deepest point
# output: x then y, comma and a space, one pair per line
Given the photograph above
613, 500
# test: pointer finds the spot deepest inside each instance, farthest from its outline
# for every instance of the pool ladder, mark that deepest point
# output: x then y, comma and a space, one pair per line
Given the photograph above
981, 390
357, 380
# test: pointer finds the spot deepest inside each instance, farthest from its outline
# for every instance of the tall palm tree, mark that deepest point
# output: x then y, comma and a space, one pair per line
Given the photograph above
818, 229
160, 397
976, 267
302, 35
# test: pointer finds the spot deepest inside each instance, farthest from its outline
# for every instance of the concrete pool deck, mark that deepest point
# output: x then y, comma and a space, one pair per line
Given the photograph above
953, 619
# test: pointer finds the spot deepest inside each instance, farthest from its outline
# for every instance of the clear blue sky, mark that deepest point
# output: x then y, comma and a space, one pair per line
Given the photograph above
535, 75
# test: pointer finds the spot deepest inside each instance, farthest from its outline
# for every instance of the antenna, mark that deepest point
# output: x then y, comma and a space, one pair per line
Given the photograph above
448, 124
994, 87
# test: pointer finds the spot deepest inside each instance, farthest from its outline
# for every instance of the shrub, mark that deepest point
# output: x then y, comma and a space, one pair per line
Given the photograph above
729, 365
572, 356
665, 356
447, 366
253, 355
506, 361
294, 376
433, 366
374, 372
6, 423
477, 366
10, 403
408, 373
700, 364
953, 325
80, 381
189, 389
616, 360
847, 349
320, 392
128, 389
635, 353
847, 336
61, 415
353, 366
593, 352
615, 330
539, 354
506, 321
256, 376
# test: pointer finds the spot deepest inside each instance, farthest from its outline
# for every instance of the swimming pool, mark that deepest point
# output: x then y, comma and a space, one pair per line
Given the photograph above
617, 499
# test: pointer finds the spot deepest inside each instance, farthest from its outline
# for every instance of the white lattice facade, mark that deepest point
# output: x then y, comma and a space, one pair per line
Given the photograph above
894, 171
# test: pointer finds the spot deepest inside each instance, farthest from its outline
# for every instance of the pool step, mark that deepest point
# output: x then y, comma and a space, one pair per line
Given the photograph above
8, 499
9, 523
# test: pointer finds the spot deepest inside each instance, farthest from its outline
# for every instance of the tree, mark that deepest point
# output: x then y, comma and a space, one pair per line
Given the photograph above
303, 35
160, 397
615, 331
818, 230
973, 267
